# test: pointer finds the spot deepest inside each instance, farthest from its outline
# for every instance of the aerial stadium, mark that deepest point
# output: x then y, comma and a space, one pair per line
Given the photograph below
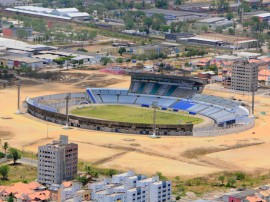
166, 105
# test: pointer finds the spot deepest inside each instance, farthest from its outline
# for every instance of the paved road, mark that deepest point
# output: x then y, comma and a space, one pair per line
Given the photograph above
3, 160
28, 161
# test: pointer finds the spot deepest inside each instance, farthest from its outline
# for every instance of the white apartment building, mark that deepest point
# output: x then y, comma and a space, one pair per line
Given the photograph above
160, 191
244, 76
137, 194
57, 161
74, 193
128, 187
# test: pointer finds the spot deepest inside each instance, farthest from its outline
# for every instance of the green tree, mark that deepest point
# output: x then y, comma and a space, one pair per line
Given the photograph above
222, 5
230, 182
219, 30
158, 21
91, 171
162, 4
221, 178
105, 60
111, 172
5, 147
119, 60
229, 16
240, 175
4, 170
2, 155
246, 7
22, 34
82, 179
147, 22
213, 5
129, 23
213, 68
231, 31
14, 154
205, 28
178, 2
122, 50
161, 176
10, 199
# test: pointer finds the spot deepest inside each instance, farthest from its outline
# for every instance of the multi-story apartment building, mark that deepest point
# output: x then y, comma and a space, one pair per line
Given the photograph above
244, 76
57, 161
128, 187
137, 194
160, 191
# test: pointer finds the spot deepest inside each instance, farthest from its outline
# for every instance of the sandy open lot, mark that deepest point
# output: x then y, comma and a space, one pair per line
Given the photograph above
143, 154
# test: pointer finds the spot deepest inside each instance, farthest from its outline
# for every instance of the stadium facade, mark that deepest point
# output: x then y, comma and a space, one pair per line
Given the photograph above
167, 92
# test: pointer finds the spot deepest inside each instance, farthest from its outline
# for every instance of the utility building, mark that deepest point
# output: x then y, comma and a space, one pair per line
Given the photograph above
244, 76
57, 161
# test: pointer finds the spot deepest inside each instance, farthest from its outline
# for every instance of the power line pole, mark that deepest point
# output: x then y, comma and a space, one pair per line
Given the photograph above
154, 105
67, 98
253, 100
19, 95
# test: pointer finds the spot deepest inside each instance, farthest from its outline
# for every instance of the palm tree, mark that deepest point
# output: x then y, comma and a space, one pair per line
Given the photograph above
5, 147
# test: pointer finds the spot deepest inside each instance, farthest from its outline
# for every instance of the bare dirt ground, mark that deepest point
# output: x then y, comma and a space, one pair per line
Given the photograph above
142, 154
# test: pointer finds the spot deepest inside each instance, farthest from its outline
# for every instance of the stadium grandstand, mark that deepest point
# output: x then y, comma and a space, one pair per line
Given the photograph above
172, 93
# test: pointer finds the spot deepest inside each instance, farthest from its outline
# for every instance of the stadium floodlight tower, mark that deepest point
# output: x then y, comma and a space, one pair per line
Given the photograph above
19, 95
154, 105
67, 98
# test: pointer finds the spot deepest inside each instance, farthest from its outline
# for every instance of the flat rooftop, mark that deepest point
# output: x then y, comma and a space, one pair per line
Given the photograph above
22, 59
194, 5
173, 12
205, 39
212, 20
226, 38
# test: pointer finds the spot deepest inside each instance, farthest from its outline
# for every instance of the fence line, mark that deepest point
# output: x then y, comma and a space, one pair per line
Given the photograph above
224, 131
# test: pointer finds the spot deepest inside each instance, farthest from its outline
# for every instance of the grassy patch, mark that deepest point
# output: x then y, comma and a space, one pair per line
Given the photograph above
30, 155
210, 183
134, 115
194, 153
20, 173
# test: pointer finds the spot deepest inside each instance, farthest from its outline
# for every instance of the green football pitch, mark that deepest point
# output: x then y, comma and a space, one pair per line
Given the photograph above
133, 114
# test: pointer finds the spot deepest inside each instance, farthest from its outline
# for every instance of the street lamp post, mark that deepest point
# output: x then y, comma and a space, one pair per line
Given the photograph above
154, 105
19, 95
67, 98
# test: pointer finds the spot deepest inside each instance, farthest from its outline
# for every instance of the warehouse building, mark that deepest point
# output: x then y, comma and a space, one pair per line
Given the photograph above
176, 36
209, 42
61, 13
215, 22
225, 41
176, 16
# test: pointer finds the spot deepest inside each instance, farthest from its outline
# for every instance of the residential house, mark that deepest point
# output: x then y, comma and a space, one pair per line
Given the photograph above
73, 192
18, 62
25, 192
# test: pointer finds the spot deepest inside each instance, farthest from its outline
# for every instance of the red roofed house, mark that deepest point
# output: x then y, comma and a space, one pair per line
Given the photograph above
25, 192
264, 76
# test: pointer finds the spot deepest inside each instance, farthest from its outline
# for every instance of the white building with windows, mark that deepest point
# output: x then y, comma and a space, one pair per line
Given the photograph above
128, 187
160, 191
